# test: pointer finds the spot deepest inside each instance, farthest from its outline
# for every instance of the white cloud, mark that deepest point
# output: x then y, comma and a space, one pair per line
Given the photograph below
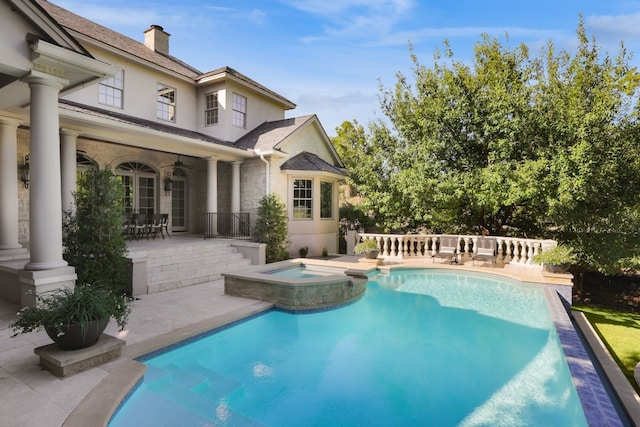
114, 15
355, 19
620, 27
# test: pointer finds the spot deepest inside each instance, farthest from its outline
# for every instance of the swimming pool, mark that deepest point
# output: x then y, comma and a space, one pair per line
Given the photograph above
421, 347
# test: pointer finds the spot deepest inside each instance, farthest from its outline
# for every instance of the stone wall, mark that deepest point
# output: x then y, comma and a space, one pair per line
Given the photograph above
324, 293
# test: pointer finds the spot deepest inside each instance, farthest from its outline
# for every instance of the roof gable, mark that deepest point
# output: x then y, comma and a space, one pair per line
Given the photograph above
306, 161
269, 135
49, 28
230, 73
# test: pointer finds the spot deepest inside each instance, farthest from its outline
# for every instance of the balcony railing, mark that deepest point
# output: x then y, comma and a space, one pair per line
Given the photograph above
510, 250
227, 225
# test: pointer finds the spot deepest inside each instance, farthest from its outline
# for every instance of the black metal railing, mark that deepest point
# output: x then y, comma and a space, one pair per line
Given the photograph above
227, 225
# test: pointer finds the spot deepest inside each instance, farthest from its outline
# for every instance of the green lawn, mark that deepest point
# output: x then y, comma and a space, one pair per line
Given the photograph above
620, 331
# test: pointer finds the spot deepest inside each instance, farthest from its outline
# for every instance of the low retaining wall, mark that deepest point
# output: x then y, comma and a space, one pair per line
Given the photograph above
297, 294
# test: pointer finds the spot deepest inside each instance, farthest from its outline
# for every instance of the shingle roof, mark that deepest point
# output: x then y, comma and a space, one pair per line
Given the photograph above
269, 134
114, 39
149, 124
306, 161
121, 42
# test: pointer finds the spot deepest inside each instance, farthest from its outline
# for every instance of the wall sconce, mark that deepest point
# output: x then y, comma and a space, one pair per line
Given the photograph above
23, 170
168, 183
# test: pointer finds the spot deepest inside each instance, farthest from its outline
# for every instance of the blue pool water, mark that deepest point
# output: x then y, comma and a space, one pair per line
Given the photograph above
420, 348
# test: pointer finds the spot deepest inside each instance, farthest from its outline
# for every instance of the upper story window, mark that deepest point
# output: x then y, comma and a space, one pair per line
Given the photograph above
110, 90
302, 198
166, 103
211, 109
239, 104
326, 200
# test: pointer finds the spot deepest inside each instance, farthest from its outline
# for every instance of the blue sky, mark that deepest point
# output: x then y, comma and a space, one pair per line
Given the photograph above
327, 56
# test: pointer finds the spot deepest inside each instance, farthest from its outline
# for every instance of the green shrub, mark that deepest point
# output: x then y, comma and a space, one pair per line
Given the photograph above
92, 234
80, 305
558, 255
368, 245
271, 228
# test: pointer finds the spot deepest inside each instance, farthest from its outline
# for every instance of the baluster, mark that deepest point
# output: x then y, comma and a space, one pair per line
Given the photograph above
385, 245
537, 249
530, 253
411, 246
500, 255
509, 251
466, 249
473, 240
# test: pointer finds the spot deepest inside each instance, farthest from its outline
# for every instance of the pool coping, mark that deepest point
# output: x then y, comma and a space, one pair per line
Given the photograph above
595, 400
100, 404
626, 394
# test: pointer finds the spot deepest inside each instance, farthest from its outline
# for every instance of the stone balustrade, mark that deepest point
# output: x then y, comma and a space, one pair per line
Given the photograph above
510, 250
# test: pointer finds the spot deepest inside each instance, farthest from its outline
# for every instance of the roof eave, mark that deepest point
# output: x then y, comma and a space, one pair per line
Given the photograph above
226, 75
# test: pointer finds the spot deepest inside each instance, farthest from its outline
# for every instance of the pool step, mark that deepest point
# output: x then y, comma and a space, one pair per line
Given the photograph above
190, 264
198, 390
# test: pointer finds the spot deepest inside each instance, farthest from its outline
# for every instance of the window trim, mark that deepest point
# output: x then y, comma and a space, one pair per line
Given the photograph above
239, 113
168, 105
307, 210
110, 84
214, 110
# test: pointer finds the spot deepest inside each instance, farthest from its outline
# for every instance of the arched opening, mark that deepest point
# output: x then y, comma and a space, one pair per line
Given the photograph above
139, 182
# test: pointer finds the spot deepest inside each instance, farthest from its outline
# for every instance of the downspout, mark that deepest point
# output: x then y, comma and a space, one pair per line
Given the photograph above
268, 168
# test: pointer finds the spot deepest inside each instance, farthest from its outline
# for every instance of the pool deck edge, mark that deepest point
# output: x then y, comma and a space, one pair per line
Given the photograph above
627, 396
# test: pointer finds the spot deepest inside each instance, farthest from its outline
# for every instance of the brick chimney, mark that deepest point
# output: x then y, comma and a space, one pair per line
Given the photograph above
155, 38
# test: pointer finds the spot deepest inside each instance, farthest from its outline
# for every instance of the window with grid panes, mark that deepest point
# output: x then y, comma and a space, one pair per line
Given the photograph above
211, 109
110, 91
302, 198
239, 111
166, 103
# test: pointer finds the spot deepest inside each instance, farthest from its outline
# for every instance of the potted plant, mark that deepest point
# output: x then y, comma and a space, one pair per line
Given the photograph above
369, 248
74, 318
303, 251
94, 245
557, 259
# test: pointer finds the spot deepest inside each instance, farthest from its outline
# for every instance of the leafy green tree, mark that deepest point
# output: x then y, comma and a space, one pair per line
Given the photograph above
93, 240
271, 227
540, 146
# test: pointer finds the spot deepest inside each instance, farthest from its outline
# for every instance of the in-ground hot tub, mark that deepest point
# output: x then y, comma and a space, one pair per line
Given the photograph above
297, 285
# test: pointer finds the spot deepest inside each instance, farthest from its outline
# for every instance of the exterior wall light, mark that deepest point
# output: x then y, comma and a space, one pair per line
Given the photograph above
168, 183
23, 170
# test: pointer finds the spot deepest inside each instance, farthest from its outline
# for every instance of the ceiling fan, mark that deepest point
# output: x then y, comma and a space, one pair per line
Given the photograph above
178, 165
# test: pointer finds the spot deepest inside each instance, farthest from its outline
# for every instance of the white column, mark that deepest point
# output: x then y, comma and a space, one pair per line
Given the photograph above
68, 167
45, 201
9, 184
212, 195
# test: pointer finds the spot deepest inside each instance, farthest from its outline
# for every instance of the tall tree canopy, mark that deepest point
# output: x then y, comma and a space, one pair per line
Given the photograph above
543, 146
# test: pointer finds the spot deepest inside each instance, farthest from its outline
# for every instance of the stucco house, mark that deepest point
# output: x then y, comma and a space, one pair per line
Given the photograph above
184, 142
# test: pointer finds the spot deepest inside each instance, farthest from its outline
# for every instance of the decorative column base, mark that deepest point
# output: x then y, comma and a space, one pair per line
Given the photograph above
34, 283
